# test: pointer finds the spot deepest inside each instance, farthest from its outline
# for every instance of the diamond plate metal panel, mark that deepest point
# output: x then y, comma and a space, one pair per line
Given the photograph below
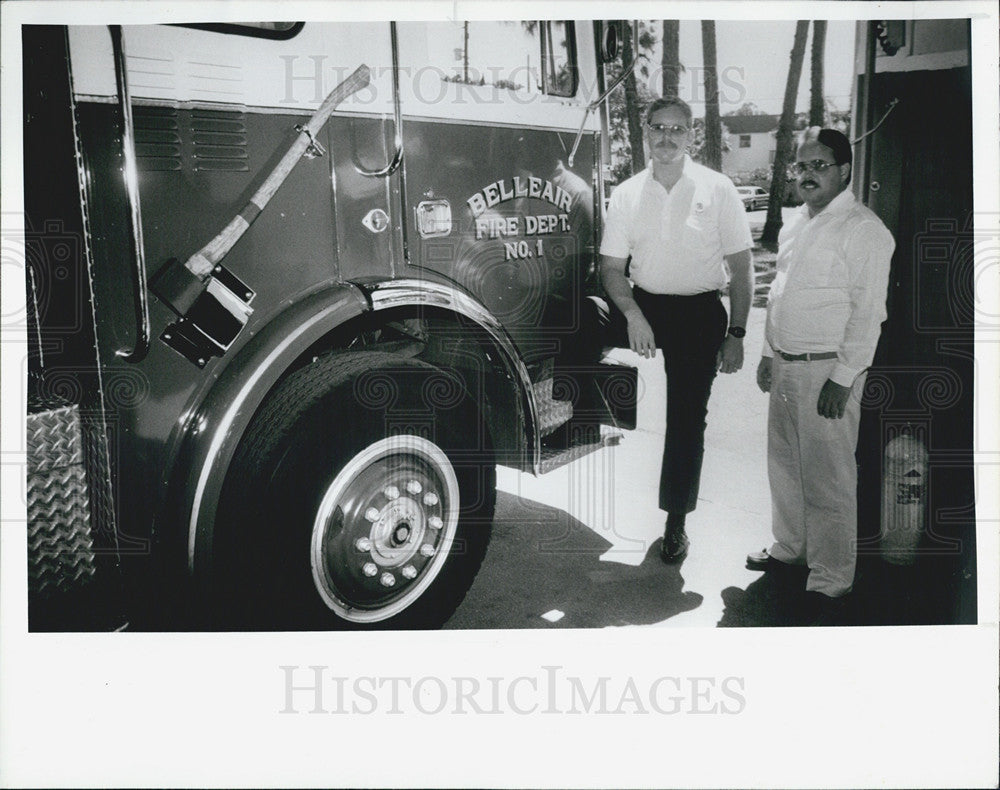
60, 545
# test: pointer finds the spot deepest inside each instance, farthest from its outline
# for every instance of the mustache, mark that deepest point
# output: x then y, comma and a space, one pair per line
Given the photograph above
808, 182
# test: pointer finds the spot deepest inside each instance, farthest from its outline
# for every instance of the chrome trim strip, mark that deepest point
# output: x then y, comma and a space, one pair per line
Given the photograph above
235, 407
82, 182
397, 293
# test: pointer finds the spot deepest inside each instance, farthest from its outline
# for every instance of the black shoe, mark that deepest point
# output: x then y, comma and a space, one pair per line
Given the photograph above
763, 561
826, 611
759, 560
675, 546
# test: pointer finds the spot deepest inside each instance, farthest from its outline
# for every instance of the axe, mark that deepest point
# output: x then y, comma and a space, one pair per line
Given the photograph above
213, 304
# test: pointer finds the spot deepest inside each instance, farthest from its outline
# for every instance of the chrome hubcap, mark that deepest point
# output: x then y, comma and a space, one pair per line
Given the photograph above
384, 528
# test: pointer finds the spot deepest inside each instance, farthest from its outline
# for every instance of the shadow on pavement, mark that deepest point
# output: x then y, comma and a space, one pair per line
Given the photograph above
883, 595
542, 559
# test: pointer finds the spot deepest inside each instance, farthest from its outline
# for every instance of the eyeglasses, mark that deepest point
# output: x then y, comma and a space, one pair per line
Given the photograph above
815, 166
662, 128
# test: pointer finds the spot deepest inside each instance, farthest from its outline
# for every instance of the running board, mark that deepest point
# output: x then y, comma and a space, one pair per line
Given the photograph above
583, 443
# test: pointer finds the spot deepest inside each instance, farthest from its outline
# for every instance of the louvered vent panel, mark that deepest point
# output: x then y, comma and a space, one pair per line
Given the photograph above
219, 141
157, 138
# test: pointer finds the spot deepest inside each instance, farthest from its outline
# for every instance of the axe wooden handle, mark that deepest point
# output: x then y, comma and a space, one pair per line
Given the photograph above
202, 262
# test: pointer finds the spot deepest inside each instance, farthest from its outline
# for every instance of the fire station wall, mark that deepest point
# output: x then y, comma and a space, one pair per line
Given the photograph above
923, 376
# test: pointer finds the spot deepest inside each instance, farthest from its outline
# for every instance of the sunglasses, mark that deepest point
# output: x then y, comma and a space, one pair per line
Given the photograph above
815, 166
662, 128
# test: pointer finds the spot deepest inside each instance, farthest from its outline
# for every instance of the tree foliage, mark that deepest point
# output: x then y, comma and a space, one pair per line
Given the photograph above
697, 147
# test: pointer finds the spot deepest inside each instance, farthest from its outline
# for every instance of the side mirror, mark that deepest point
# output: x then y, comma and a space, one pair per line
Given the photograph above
611, 37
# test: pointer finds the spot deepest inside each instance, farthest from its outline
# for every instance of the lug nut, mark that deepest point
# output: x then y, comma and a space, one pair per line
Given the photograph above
430, 499
387, 579
427, 550
409, 572
372, 514
391, 492
434, 522
363, 544
414, 487
369, 569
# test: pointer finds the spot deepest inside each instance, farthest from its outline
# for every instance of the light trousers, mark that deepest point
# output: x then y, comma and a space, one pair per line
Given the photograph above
813, 475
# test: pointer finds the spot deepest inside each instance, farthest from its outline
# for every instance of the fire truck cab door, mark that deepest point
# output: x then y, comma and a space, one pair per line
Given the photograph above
491, 202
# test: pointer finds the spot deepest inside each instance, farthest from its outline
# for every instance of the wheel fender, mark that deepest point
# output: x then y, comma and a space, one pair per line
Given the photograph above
212, 429
387, 294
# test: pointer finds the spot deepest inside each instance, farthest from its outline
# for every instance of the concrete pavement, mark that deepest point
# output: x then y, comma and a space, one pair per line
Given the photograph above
578, 547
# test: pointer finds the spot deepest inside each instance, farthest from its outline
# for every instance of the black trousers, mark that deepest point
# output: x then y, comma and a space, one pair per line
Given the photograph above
689, 330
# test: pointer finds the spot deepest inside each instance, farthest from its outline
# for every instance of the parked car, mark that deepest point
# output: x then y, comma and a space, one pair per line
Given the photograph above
753, 197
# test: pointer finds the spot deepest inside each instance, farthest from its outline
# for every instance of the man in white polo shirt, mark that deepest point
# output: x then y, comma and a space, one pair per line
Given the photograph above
675, 227
824, 317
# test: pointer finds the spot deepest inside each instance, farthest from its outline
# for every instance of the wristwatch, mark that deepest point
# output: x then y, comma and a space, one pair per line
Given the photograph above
737, 331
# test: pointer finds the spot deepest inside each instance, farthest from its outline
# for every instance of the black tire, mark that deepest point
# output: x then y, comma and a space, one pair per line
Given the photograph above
361, 496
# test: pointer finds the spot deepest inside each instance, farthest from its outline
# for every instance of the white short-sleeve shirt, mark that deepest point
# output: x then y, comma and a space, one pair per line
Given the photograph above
677, 239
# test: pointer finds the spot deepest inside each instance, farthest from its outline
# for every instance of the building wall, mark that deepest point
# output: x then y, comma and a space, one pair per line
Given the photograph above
917, 175
758, 155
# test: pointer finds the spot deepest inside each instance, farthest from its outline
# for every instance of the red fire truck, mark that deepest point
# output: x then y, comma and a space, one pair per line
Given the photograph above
294, 291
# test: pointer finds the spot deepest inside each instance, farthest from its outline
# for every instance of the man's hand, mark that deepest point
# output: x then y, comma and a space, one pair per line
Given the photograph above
640, 334
764, 374
730, 356
832, 400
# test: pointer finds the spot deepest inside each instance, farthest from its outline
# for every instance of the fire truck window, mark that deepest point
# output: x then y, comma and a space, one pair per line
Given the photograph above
558, 47
529, 56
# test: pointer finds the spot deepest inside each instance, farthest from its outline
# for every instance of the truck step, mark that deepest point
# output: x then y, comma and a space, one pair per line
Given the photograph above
60, 545
552, 414
74, 580
583, 443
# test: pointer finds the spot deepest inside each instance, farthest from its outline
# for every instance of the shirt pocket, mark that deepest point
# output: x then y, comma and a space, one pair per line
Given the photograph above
699, 233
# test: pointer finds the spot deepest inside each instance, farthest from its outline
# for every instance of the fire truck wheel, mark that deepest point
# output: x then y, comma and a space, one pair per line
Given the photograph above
361, 496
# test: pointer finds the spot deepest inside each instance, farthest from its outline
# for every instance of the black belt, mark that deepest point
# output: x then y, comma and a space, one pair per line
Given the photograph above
814, 357
699, 295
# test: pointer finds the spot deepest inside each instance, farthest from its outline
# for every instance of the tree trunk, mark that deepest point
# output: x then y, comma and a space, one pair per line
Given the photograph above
817, 105
712, 154
783, 148
670, 64
465, 52
632, 109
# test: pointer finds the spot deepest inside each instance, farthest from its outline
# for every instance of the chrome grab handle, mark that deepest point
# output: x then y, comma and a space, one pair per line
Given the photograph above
141, 347
397, 117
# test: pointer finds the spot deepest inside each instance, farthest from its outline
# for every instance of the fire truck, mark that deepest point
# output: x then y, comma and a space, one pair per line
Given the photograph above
294, 290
